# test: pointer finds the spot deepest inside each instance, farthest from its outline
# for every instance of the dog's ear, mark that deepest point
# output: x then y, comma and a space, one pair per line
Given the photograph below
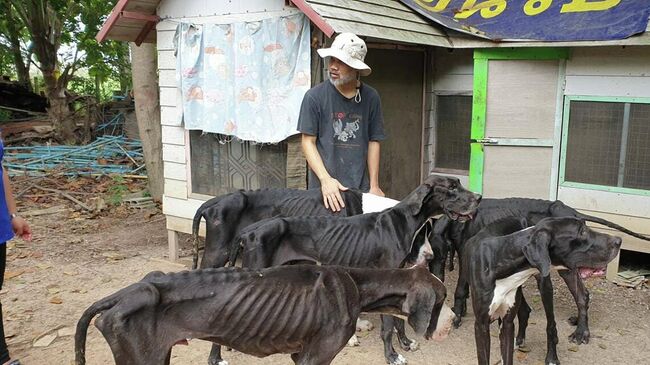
419, 305
417, 198
536, 251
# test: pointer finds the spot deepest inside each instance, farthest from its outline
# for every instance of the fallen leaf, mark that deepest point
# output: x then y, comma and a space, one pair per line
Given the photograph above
602, 346
521, 356
56, 300
66, 331
45, 341
43, 266
13, 274
70, 273
112, 255
573, 348
53, 289
37, 254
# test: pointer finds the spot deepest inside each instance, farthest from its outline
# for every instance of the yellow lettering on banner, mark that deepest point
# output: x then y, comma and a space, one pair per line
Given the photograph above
488, 8
534, 7
576, 6
440, 5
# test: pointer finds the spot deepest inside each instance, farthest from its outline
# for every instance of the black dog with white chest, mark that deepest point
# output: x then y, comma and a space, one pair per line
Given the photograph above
496, 267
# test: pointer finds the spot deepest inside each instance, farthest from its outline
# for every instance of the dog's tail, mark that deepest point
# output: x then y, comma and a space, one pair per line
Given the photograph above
132, 298
84, 322
195, 233
609, 224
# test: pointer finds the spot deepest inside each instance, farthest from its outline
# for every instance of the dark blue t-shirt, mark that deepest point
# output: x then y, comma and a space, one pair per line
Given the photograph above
343, 129
6, 231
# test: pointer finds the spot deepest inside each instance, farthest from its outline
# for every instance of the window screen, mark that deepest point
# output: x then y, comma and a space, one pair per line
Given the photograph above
218, 168
607, 144
453, 125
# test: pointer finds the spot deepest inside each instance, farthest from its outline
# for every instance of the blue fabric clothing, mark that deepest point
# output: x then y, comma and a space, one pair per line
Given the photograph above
6, 231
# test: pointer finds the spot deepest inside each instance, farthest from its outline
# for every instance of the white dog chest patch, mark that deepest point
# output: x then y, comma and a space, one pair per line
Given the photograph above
505, 291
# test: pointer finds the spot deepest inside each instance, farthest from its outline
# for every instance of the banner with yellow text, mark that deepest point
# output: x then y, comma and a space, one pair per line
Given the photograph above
542, 20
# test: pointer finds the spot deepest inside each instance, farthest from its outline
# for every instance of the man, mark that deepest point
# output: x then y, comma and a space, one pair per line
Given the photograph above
341, 124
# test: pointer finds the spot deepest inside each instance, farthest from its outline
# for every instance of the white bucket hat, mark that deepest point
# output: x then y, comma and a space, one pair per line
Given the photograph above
351, 50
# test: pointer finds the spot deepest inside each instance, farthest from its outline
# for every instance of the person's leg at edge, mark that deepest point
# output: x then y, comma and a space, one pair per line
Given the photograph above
4, 352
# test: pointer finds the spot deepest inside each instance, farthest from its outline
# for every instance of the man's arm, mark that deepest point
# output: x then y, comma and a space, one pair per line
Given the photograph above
330, 187
373, 168
19, 225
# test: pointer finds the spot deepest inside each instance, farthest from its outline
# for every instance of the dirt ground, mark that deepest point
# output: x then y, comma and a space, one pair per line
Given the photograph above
76, 260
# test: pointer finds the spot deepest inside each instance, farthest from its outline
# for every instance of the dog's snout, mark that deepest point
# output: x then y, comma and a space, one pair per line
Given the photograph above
616, 241
478, 197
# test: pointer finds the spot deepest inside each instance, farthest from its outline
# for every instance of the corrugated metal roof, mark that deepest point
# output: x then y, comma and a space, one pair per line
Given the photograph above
382, 19
131, 20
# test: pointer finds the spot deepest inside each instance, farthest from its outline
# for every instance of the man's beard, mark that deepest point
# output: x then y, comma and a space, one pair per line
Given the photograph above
341, 81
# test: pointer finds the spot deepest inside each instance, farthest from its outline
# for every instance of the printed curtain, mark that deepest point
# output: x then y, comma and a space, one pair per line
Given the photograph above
244, 79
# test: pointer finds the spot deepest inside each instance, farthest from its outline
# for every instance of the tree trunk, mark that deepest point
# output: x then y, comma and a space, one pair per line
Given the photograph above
144, 70
58, 110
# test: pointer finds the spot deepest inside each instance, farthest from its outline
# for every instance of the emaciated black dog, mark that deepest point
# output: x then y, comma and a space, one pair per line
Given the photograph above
377, 240
496, 267
533, 210
307, 311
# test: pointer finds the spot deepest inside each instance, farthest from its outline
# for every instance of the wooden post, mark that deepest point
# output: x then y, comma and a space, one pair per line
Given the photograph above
612, 267
173, 245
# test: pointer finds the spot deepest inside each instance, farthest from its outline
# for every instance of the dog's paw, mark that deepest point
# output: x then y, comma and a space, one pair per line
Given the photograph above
580, 336
217, 362
364, 325
353, 341
410, 346
397, 359
457, 321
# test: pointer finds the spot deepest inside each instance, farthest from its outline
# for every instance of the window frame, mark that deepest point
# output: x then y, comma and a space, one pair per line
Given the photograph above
435, 168
565, 135
191, 193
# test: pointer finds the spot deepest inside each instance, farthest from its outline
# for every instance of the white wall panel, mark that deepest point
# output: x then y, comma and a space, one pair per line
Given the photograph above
173, 135
174, 153
176, 188
176, 171
622, 86
169, 116
168, 96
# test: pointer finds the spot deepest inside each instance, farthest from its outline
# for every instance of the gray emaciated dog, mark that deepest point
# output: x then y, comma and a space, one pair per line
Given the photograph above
307, 311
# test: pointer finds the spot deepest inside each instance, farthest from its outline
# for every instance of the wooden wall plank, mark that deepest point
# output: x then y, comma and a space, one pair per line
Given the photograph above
174, 153
621, 86
176, 188
173, 135
176, 171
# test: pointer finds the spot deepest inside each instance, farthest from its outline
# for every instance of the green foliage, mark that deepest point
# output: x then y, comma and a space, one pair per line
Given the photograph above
117, 190
104, 67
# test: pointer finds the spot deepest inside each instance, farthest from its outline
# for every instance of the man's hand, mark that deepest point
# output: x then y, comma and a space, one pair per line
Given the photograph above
376, 191
331, 189
21, 228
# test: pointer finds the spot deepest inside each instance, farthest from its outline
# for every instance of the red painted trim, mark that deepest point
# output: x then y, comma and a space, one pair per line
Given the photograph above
110, 22
314, 17
144, 32
140, 16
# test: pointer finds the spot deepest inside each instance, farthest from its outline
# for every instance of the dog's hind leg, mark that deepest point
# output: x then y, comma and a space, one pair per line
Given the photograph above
507, 332
460, 295
387, 326
522, 317
404, 342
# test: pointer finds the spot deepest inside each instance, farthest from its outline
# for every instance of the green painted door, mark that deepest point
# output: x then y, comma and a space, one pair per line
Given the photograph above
514, 122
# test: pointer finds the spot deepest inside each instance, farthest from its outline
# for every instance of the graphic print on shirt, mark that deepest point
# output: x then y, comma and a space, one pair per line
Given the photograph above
345, 133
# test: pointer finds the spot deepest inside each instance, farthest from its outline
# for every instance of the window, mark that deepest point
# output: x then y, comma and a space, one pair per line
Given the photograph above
453, 126
606, 144
220, 165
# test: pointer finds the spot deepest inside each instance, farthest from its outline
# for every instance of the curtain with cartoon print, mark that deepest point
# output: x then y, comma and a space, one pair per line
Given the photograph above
244, 79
